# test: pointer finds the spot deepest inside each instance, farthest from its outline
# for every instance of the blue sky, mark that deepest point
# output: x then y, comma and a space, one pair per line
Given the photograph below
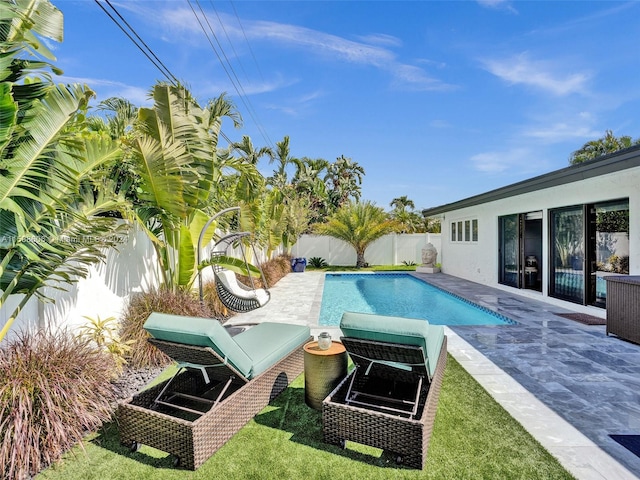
436, 100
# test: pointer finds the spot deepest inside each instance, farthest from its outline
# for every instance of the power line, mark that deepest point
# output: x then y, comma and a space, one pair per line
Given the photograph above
244, 34
237, 85
148, 52
152, 57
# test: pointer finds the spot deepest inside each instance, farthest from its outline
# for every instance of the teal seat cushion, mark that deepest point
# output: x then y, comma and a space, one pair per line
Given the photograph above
405, 331
268, 342
202, 332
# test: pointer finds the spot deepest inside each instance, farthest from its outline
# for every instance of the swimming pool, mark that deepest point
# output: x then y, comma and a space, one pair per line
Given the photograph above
399, 295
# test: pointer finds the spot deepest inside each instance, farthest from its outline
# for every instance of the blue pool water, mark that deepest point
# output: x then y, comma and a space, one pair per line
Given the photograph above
399, 295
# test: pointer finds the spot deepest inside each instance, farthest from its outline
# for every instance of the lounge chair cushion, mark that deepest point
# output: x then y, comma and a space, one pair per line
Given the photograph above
268, 342
203, 332
405, 331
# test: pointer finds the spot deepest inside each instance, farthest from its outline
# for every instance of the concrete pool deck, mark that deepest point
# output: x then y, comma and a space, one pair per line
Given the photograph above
568, 384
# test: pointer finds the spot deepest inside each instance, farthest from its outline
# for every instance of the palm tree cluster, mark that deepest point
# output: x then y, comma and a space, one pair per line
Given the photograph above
605, 145
409, 220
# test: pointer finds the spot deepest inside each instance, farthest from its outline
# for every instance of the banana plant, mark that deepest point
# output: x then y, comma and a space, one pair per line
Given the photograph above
50, 232
179, 169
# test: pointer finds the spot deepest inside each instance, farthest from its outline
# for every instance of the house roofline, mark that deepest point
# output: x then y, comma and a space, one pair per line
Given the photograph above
615, 162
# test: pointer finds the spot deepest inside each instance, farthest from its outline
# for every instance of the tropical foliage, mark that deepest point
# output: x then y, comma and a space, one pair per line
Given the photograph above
51, 231
359, 224
409, 220
605, 145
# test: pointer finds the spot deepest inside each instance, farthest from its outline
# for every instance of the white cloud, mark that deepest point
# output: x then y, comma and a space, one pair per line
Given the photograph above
180, 24
381, 39
558, 128
501, 161
544, 75
498, 5
440, 124
297, 105
107, 88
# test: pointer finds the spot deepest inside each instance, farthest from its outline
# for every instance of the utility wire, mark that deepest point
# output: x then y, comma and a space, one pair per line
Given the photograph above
250, 106
237, 85
148, 52
244, 34
151, 56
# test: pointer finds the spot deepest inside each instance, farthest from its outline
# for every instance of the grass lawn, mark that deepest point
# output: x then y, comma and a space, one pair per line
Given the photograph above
473, 438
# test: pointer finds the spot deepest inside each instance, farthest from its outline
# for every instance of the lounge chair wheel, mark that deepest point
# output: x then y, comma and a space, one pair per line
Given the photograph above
176, 461
398, 459
135, 446
342, 443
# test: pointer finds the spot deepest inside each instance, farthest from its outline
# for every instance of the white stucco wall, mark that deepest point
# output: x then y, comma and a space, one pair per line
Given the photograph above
479, 261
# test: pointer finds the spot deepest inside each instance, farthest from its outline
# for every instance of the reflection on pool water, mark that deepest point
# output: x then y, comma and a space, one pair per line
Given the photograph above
399, 295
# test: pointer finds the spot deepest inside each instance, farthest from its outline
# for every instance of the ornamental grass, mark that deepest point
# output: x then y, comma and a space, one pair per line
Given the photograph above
54, 388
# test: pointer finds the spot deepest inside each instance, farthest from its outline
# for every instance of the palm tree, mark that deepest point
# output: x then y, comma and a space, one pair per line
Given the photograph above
48, 210
308, 183
283, 157
343, 180
602, 146
359, 225
402, 203
403, 212
252, 155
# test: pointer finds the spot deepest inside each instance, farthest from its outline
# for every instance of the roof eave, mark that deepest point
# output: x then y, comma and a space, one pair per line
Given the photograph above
622, 160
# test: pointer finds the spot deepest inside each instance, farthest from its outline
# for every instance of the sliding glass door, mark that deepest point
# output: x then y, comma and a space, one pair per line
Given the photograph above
588, 242
510, 256
567, 280
520, 238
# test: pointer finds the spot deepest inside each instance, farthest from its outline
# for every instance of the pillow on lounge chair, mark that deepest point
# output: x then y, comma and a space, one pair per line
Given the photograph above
406, 331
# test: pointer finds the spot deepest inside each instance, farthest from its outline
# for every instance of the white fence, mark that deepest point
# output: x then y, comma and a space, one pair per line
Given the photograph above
392, 249
133, 268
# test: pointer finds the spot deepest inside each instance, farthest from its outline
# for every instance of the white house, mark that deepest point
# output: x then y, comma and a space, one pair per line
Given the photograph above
556, 235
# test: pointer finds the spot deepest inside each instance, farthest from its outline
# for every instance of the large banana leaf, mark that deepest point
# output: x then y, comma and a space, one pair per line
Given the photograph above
234, 264
186, 258
161, 181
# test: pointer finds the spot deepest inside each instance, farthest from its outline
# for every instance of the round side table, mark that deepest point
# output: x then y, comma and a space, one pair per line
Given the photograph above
323, 370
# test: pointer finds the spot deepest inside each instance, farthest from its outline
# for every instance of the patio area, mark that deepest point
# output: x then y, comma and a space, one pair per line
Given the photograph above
567, 383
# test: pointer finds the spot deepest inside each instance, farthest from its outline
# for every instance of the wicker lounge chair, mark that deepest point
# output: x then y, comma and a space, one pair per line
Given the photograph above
389, 400
222, 383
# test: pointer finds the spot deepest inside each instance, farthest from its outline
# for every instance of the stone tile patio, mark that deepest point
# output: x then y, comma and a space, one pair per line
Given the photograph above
567, 383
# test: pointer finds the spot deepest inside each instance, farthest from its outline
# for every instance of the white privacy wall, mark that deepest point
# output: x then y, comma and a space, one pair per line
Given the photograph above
479, 261
104, 293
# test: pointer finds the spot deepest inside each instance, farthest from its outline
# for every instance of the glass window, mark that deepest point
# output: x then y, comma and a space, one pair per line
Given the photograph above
467, 230
460, 231
453, 231
474, 230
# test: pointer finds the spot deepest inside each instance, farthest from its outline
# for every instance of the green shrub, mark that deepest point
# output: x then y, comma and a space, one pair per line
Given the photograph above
104, 334
318, 262
140, 306
54, 388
